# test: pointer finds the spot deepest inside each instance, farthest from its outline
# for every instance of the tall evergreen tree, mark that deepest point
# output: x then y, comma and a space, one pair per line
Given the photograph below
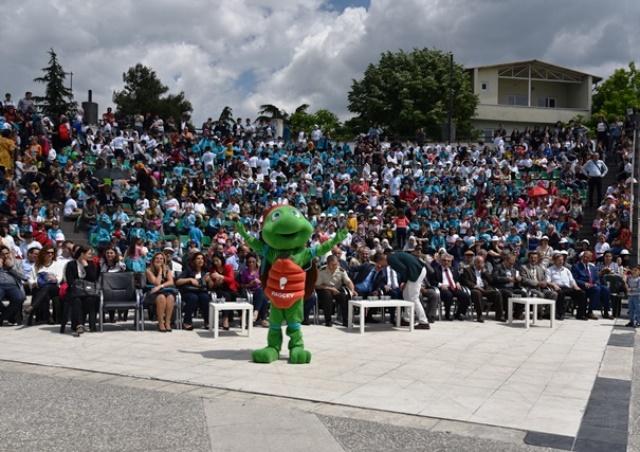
57, 99
144, 93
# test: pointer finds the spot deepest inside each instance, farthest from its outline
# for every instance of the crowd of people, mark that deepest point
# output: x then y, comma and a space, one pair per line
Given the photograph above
160, 197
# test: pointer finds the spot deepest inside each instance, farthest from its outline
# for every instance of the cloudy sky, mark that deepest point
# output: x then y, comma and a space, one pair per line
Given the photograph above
244, 53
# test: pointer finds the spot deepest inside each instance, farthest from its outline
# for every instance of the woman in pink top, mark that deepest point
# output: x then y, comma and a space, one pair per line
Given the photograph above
402, 224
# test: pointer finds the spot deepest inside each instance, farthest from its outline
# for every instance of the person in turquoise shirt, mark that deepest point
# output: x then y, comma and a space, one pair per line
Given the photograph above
513, 236
332, 209
437, 241
196, 235
189, 221
214, 224
137, 231
153, 235
54, 230
120, 216
543, 224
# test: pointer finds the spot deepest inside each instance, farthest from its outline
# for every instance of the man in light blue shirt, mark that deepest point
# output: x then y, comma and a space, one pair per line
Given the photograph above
595, 170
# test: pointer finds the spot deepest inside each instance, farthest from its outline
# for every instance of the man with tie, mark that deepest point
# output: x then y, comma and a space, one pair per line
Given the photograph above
411, 272
392, 288
450, 288
595, 170
477, 279
370, 279
534, 277
506, 278
586, 275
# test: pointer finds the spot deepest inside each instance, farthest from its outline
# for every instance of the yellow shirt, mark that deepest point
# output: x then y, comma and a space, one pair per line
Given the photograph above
6, 152
352, 224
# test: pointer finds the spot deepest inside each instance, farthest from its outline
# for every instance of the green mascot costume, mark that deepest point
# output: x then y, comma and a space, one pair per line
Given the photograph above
285, 256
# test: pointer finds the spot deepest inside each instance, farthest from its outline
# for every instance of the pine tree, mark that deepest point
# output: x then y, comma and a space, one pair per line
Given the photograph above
144, 93
58, 99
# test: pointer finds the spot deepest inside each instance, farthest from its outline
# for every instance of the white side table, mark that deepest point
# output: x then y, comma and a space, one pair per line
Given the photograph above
398, 304
244, 308
531, 301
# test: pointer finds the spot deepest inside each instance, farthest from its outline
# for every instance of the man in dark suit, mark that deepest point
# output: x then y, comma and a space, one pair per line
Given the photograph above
588, 279
370, 279
506, 278
478, 280
450, 288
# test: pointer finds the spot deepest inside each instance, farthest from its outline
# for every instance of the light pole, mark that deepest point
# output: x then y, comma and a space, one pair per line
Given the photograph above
450, 112
70, 74
635, 197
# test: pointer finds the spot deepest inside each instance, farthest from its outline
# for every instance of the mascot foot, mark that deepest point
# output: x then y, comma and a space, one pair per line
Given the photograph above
299, 355
265, 355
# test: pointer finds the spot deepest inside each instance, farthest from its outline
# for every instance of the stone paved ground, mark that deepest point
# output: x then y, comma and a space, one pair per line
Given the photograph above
49, 413
545, 387
47, 409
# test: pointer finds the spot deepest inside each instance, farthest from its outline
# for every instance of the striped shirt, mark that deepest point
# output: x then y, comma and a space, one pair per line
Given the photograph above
634, 285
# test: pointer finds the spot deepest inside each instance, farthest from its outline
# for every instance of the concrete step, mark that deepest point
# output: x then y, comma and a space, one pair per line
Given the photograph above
79, 238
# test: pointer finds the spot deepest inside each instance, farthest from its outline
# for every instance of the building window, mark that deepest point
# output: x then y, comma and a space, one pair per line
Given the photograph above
517, 100
547, 102
484, 86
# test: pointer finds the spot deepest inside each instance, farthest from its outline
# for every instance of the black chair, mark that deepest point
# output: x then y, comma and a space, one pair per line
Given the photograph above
118, 291
618, 292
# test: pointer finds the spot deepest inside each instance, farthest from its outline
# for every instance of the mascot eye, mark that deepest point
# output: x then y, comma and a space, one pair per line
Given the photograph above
275, 216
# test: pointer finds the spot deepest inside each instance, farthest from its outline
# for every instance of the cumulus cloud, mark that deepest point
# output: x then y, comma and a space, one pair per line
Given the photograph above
244, 53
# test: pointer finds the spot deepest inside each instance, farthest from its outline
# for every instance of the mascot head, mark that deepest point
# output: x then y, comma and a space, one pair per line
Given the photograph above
284, 228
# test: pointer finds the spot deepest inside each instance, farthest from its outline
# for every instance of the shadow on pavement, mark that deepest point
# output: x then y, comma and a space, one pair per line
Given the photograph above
108, 327
232, 355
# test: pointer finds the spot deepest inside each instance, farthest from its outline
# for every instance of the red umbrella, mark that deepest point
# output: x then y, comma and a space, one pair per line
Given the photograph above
538, 191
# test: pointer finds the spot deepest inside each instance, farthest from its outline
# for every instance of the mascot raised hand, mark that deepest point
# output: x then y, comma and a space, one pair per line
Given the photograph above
288, 275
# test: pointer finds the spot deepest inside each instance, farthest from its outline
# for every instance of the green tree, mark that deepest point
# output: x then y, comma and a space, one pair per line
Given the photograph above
619, 92
269, 112
57, 99
226, 116
325, 119
406, 91
301, 119
144, 93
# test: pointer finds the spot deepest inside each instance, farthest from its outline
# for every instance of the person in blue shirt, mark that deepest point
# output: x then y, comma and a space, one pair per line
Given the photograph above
120, 216
137, 231
153, 234
54, 230
438, 241
196, 235
214, 223
513, 236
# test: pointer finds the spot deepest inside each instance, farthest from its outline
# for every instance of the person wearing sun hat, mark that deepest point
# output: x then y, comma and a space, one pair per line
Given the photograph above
545, 252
